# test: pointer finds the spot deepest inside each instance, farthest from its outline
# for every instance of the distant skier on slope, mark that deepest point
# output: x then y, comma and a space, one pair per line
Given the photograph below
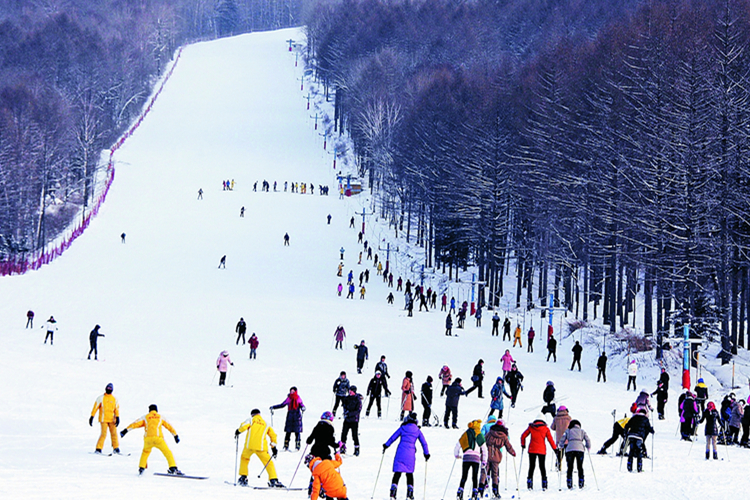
93, 338
222, 364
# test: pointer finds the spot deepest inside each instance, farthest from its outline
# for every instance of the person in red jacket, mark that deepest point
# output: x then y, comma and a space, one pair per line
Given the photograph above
538, 431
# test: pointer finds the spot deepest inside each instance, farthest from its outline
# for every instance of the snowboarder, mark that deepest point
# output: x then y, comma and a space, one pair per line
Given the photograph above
445, 377
256, 443
403, 463
153, 437
352, 408
575, 442
361, 355
452, 395
530, 336
496, 439
471, 446
713, 421
375, 388
538, 431
577, 350
407, 394
515, 382
339, 335
601, 366
636, 431
30, 319
295, 408
326, 478
426, 400
223, 262
632, 374
549, 399
496, 393
109, 418
93, 338
552, 349
222, 364
51, 327
254, 342
477, 377
448, 325
240, 329
341, 390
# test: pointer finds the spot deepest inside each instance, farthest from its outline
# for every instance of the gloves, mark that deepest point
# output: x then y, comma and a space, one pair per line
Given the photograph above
176, 438
231, 364
274, 451
523, 446
123, 432
237, 433
303, 409
426, 457
385, 447
91, 421
117, 421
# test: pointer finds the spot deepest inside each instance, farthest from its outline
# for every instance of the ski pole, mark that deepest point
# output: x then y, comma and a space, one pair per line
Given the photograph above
594, 472
506, 470
213, 378
518, 475
424, 488
449, 477
236, 453
378, 476
264, 467
559, 470
624, 450
652, 456
229, 375
304, 452
388, 407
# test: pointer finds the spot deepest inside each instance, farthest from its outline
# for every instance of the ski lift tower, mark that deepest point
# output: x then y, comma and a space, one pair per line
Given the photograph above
551, 310
474, 283
363, 213
387, 254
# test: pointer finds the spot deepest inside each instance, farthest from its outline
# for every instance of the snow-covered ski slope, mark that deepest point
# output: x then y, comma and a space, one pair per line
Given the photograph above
233, 110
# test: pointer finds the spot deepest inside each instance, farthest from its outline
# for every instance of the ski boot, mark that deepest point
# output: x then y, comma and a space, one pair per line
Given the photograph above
274, 483
640, 464
708, 455
410, 492
630, 464
530, 483
601, 451
242, 481
460, 494
140, 470
475, 494
495, 492
297, 444
716, 456
97, 452
394, 490
367, 413
174, 471
379, 415
356, 451
116, 451
342, 448
544, 484
569, 482
580, 483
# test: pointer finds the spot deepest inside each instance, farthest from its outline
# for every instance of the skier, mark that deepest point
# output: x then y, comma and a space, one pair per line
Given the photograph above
256, 443
445, 377
636, 431
632, 374
577, 350
508, 361
109, 418
461, 317
477, 377
329, 219
154, 438
200, 193
618, 431
496, 393
286, 239
240, 329
453, 304
339, 335
339, 272
253, 346
713, 421
375, 389
388, 299
407, 394
701, 394
51, 327
478, 316
471, 445
745, 425
661, 399
222, 364
688, 416
601, 366
322, 437
382, 367
223, 262
735, 421
352, 408
341, 251
515, 382
560, 424
399, 284
340, 288
495, 324
552, 349
362, 293
122, 238
642, 401
295, 409
326, 478
448, 325
575, 442
426, 400
30, 319
340, 389
452, 395
530, 336
350, 295
497, 439
361, 355
506, 329
351, 222
93, 338
403, 463
242, 212
549, 399
538, 431
664, 378
517, 336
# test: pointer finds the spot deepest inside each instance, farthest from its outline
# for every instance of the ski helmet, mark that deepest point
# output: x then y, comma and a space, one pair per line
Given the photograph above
377, 373
109, 388
327, 415
550, 383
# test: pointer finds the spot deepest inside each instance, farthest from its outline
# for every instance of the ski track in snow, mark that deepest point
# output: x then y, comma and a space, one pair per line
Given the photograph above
233, 110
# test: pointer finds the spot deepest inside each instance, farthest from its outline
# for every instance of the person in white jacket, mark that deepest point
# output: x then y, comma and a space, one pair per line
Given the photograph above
51, 327
471, 445
632, 374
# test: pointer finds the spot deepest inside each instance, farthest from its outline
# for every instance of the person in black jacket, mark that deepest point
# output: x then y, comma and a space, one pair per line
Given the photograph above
477, 377
552, 349
636, 431
661, 399
713, 422
93, 337
361, 355
322, 437
577, 350
426, 399
514, 380
382, 367
375, 390
341, 390
664, 379
549, 399
352, 408
452, 395
601, 365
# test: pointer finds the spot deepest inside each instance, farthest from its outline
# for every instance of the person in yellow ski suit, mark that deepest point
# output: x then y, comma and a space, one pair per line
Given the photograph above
154, 438
109, 418
256, 443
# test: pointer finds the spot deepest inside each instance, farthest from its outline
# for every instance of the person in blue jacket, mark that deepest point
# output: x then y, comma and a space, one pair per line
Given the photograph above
405, 459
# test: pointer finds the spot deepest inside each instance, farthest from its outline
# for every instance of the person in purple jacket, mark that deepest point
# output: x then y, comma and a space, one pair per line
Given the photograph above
406, 453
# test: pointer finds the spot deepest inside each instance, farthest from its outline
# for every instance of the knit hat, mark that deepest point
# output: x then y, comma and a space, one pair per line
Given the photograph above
109, 388
255, 412
540, 416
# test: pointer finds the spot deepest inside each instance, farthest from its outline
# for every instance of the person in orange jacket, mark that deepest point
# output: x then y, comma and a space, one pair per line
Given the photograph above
154, 438
109, 418
538, 431
326, 477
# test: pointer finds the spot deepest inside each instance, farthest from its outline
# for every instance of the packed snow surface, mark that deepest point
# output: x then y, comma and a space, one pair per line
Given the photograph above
233, 110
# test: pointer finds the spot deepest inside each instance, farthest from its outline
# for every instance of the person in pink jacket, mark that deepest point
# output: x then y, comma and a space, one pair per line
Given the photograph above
508, 361
222, 364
